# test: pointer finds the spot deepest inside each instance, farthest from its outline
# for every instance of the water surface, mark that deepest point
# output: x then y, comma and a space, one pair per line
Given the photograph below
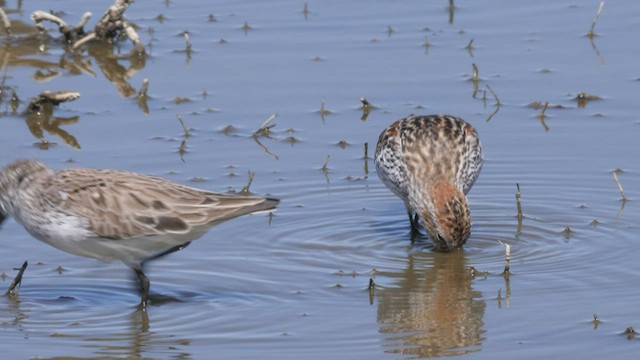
295, 284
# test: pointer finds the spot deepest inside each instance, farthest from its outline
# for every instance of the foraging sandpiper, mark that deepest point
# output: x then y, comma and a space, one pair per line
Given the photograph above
113, 214
431, 162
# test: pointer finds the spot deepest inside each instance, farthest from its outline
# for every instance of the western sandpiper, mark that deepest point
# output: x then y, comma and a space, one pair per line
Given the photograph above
112, 214
431, 162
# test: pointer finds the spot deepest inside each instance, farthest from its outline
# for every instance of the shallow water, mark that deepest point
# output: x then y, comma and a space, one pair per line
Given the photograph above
295, 284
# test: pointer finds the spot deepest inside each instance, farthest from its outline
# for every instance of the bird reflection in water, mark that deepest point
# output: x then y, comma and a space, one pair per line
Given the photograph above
119, 336
432, 310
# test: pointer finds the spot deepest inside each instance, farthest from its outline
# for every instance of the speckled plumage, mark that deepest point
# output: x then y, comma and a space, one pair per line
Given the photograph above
431, 162
112, 214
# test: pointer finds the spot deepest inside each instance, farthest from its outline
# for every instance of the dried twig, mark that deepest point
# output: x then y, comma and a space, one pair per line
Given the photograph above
142, 96
266, 126
507, 258
53, 98
452, 9
84, 40
470, 47
183, 145
186, 132
187, 41
325, 167
366, 160
519, 208
6, 23
366, 108
544, 108
615, 177
518, 202
142, 93
17, 280
39, 16
426, 45
498, 103
264, 148
71, 33
372, 290
131, 33
474, 76
245, 189
474, 80
591, 34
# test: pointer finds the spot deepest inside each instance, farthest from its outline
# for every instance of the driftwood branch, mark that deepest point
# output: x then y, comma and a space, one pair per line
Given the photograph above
53, 98
71, 33
111, 25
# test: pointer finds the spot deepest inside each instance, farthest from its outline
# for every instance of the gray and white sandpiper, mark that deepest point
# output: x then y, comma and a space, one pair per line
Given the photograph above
431, 162
112, 214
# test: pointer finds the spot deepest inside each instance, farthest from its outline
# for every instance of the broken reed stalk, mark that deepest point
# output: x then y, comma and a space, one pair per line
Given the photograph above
474, 77
17, 280
591, 34
142, 93
264, 128
498, 103
519, 209
366, 107
507, 258
6, 23
469, 47
615, 177
183, 145
186, 40
325, 167
544, 108
366, 159
245, 189
186, 132
518, 202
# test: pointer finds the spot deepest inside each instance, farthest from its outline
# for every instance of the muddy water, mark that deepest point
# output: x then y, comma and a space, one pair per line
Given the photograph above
295, 285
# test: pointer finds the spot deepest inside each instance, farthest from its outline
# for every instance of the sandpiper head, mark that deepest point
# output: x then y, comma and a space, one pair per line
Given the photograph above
448, 220
11, 178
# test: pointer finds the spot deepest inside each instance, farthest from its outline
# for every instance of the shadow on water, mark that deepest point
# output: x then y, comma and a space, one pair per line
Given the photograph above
130, 335
432, 309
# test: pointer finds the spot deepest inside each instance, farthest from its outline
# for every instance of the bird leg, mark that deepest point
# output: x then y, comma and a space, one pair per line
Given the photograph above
413, 220
144, 286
